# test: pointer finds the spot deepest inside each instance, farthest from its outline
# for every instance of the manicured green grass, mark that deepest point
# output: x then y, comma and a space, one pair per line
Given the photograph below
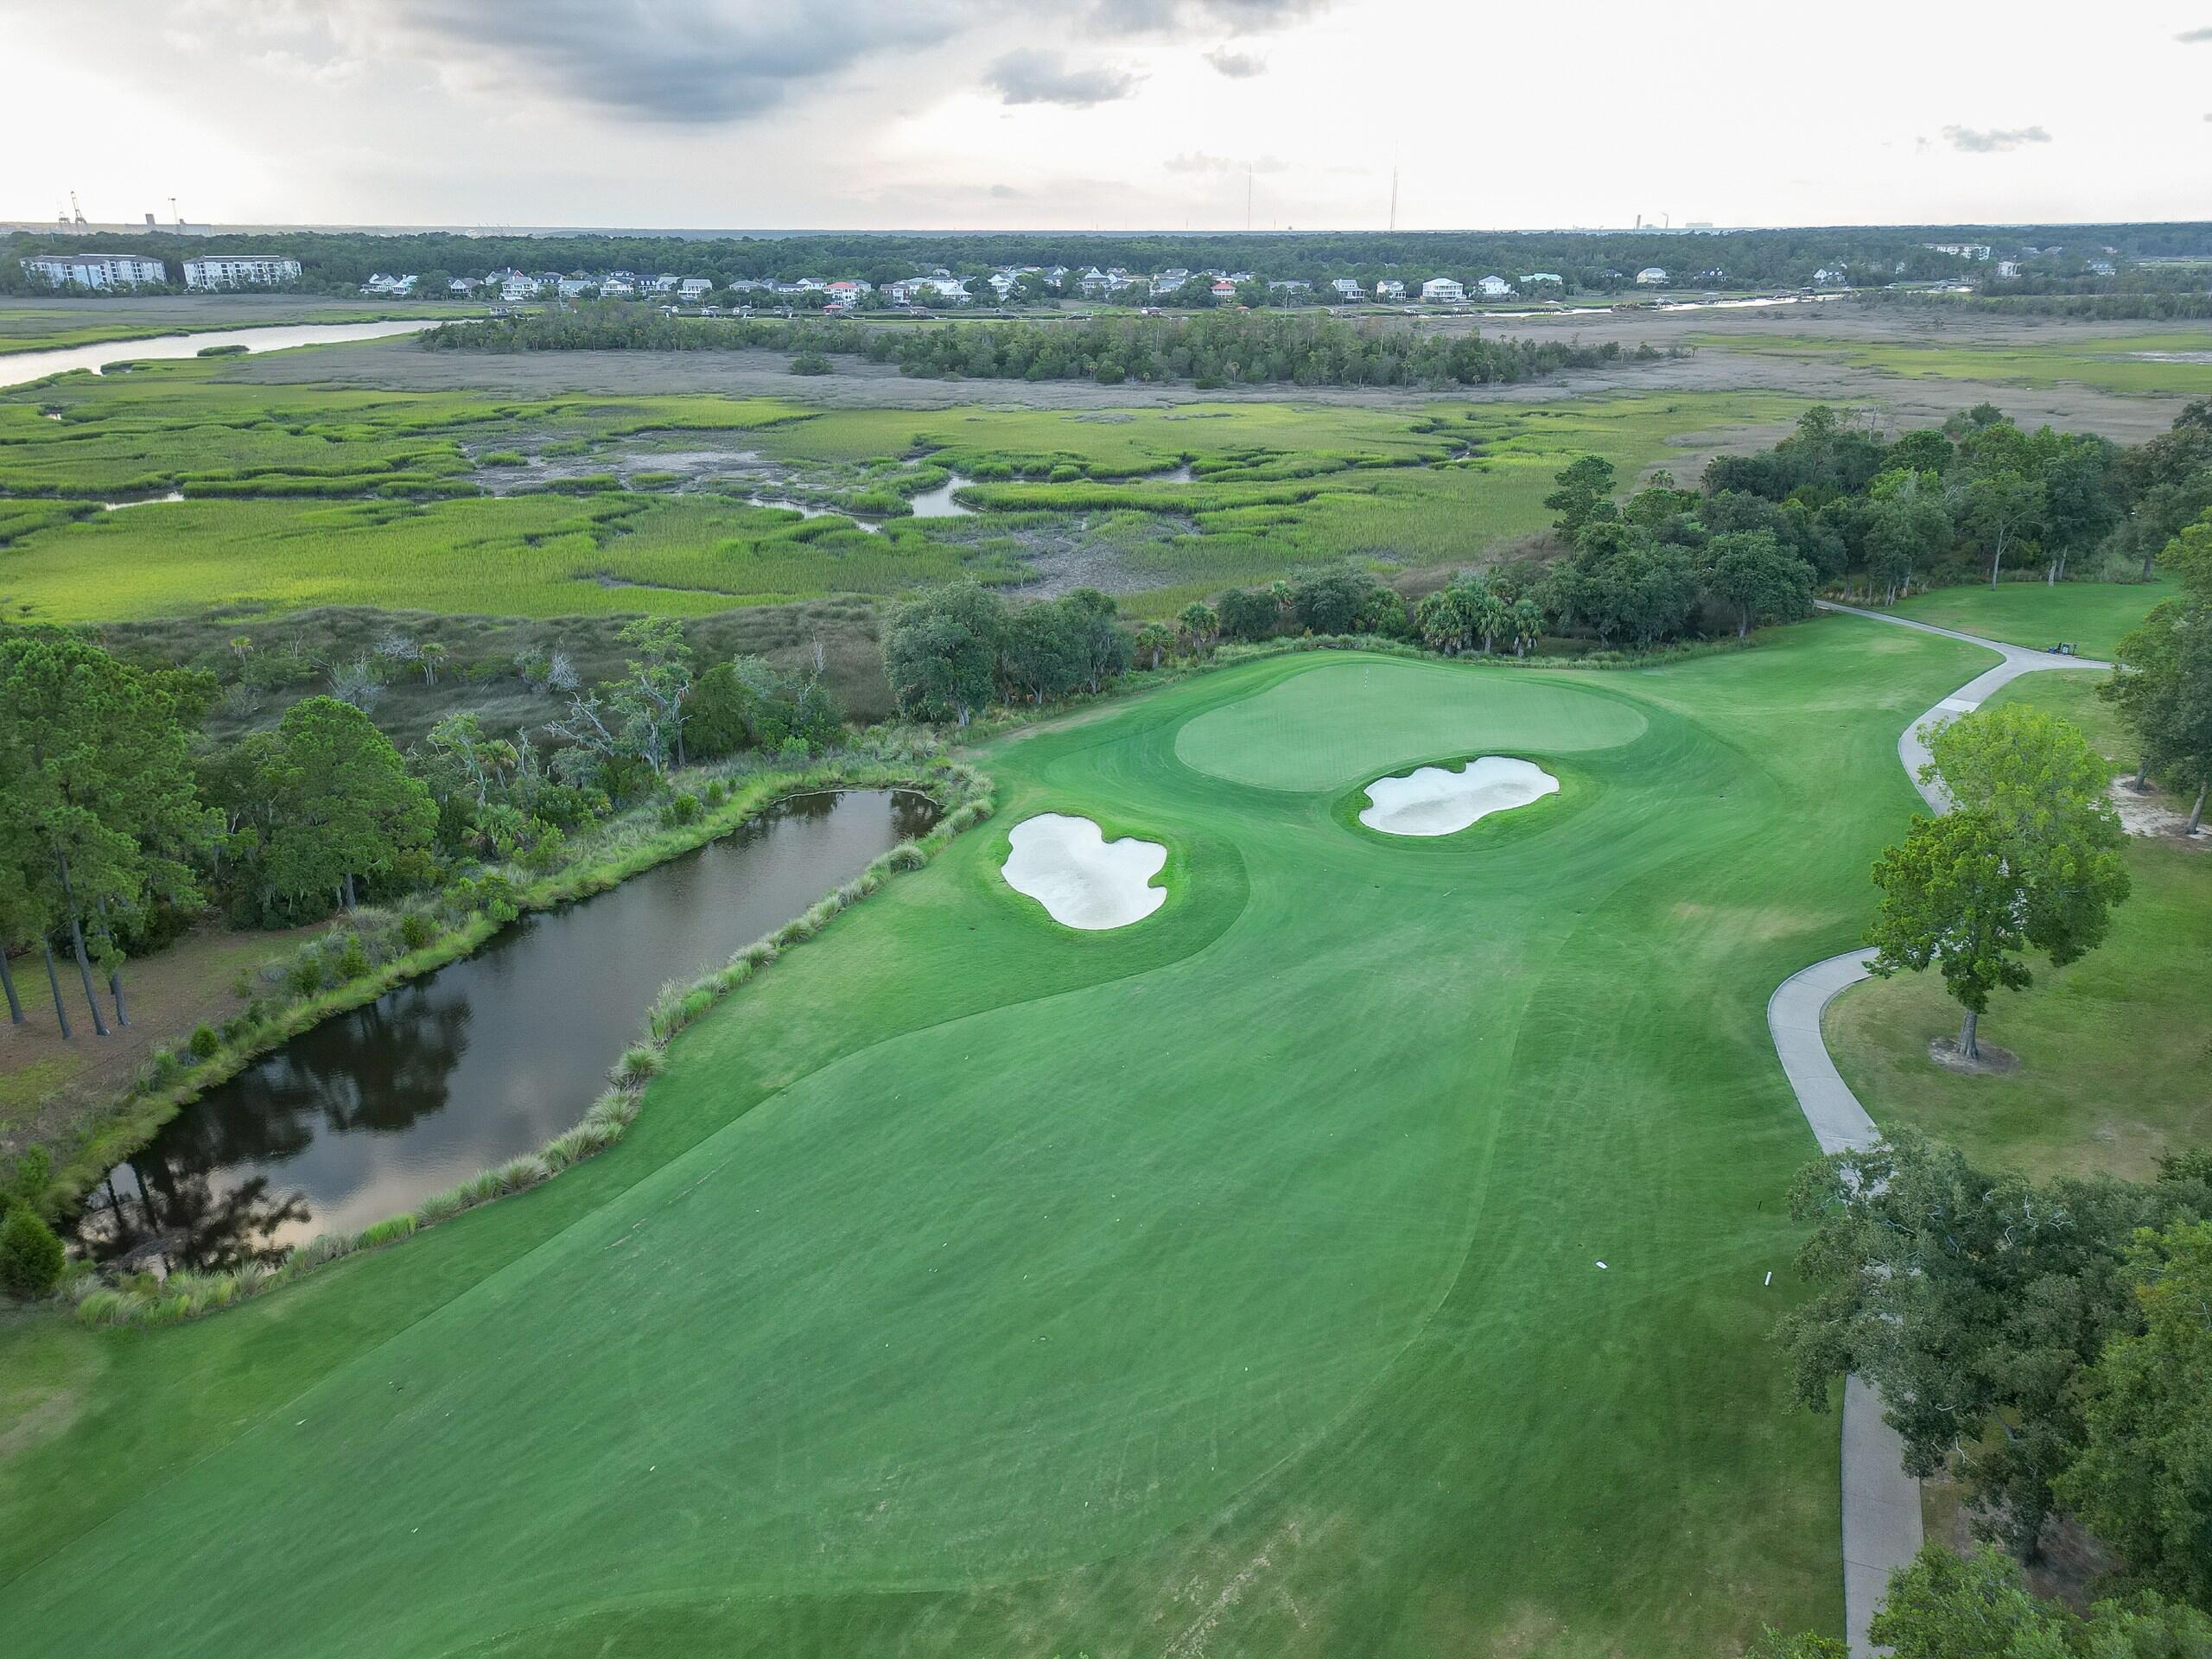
2128, 363
1225, 1284
2094, 615
2112, 1049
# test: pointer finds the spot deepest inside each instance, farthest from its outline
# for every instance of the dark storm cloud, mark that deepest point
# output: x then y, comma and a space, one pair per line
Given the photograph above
1237, 65
689, 62
1031, 77
1983, 140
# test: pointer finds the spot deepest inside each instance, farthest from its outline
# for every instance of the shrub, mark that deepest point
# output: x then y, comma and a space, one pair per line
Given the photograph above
30, 1255
715, 793
441, 1206
352, 960
681, 809
304, 977
417, 930
519, 1172
204, 1042
638, 1062
389, 1231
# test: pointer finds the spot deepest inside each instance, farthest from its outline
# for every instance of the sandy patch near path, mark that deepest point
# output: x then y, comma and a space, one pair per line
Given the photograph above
1083, 880
1434, 801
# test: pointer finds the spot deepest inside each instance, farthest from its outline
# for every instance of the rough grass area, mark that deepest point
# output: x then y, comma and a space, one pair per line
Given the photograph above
1223, 1284
2175, 362
2094, 615
2113, 1050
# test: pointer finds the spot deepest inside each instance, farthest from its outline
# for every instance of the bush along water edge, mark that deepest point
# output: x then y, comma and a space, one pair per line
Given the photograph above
961, 791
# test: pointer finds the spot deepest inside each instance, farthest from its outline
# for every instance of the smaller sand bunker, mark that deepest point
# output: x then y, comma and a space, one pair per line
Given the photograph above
1434, 801
1082, 878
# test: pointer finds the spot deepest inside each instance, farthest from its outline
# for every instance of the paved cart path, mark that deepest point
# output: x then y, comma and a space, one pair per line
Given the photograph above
1881, 1503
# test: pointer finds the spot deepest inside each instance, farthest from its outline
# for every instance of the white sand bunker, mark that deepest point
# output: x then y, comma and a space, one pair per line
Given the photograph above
1435, 802
1068, 866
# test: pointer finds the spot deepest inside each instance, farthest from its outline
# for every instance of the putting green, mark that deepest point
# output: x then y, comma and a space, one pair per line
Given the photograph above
1223, 1285
1325, 730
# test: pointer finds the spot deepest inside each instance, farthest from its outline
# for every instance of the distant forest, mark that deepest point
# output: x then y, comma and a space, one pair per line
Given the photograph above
337, 262
1209, 349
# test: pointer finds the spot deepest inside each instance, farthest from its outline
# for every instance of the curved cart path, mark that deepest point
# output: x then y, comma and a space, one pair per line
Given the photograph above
1881, 1503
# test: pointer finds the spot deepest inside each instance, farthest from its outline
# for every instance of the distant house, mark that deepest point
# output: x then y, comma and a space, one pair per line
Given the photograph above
1495, 288
694, 288
385, 282
1651, 276
1551, 277
1830, 277
1962, 250
1002, 282
1442, 290
1348, 289
1170, 281
849, 293
2007, 269
1713, 274
1290, 286
1222, 289
461, 287
101, 271
240, 271
666, 283
618, 288
1390, 289
574, 283
2101, 267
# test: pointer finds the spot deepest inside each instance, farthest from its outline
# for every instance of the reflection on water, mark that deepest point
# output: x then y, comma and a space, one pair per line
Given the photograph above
938, 503
20, 368
373, 1111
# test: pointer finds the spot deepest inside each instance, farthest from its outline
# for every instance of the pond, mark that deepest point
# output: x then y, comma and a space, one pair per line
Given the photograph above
20, 368
373, 1111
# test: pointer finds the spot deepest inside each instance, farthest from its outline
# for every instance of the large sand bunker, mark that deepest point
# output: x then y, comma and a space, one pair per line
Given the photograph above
1083, 879
1435, 802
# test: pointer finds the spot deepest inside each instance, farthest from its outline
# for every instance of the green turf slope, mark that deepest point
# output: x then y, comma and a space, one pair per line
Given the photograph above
2093, 615
1223, 1285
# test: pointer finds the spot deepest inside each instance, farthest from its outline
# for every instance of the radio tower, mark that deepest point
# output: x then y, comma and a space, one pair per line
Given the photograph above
1394, 192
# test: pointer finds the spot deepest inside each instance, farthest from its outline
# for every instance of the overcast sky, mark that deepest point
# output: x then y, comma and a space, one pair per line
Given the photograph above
1104, 114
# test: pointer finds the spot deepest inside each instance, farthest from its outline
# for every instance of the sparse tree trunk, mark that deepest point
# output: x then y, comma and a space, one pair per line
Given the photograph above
114, 974
54, 984
8, 985
1996, 564
84, 973
2197, 813
77, 939
2149, 559
348, 889
2142, 774
1967, 1050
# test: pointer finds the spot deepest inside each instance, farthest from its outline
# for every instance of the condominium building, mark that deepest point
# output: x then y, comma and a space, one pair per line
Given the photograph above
216, 270
96, 270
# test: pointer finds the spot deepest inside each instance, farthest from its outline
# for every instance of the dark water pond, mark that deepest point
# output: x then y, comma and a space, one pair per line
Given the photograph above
373, 1110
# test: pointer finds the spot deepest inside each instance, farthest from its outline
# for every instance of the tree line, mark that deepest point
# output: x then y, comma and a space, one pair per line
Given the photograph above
1211, 349
120, 823
343, 260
